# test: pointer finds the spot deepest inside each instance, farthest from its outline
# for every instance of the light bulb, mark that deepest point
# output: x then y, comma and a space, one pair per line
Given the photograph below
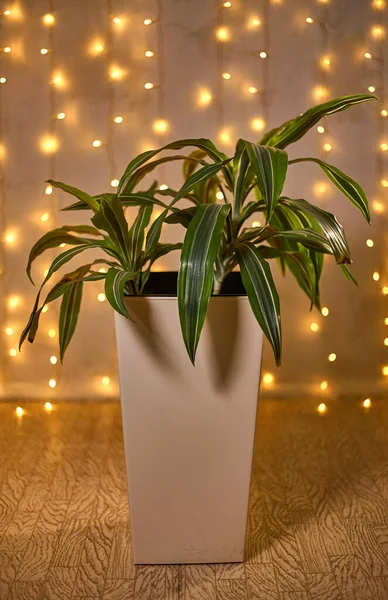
332, 357
19, 411
378, 4
148, 21
320, 129
254, 22
7, 12
45, 308
149, 85
384, 291
118, 120
320, 188
105, 380
384, 183
258, 124
268, 378
324, 385
367, 403
48, 406
163, 186
224, 136
226, 75
309, 20
149, 53
116, 73
101, 297
96, 47
322, 408
97, 144
252, 89
13, 352
227, 4
52, 333
371, 89
256, 224
204, 97
263, 54
376, 276
383, 146
102, 270
384, 112
327, 147
48, 190
222, 34
8, 330
10, 238
45, 217
116, 20
386, 342
220, 196
48, 144
3, 79
63, 245
52, 383
314, 327
384, 370
325, 311
320, 93
13, 302
378, 206
325, 62
53, 360
44, 51
114, 183
7, 49
377, 32
160, 126
370, 243
48, 19
368, 55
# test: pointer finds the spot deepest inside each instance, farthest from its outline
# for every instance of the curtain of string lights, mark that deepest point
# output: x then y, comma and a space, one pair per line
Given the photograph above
99, 89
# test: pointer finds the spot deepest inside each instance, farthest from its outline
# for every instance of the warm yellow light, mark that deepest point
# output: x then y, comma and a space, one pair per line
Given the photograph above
386, 342
114, 183
377, 32
118, 120
44, 51
384, 291
376, 276
309, 20
8, 330
48, 406
45, 308
48, 190
62, 245
19, 411
116, 20
7, 49
13, 301
48, 19
105, 380
149, 53
320, 188
324, 385
256, 224
116, 73
383, 146
96, 47
368, 55
314, 327
378, 4
101, 297
222, 34
204, 97
384, 183
224, 136
45, 217
378, 206
48, 144
371, 89
325, 311
385, 371
52, 383
370, 243
52, 333
7, 12
164, 186
384, 112
320, 93
226, 75
322, 408
148, 21
160, 126
53, 360
10, 238
320, 129
219, 195
97, 143
268, 378
3, 79
13, 352
102, 270
325, 62
258, 124
327, 147
227, 4
367, 403
332, 357
254, 22
252, 89
149, 85
263, 54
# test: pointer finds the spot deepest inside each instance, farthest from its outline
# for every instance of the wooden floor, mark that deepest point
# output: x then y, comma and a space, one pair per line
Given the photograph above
318, 520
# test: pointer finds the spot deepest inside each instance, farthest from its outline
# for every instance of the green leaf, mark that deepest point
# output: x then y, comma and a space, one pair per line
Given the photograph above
111, 219
307, 237
240, 170
136, 234
162, 250
348, 275
291, 131
196, 272
114, 289
262, 295
154, 232
304, 271
83, 196
192, 161
270, 167
68, 316
183, 216
327, 222
345, 184
201, 175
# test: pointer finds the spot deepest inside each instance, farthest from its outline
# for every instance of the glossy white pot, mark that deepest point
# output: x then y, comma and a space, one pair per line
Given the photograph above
188, 431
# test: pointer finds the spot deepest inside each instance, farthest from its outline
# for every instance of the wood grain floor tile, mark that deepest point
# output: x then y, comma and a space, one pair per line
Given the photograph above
150, 583
261, 582
119, 589
71, 542
59, 583
200, 583
120, 562
323, 586
370, 555
174, 589
351, 580
231, 589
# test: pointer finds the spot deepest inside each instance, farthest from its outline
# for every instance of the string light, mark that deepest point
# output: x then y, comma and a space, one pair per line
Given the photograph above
332, 357
263, 54
52, 333
378, 206
384, 112
3, 79
44, 51
368, 55
367, 403
13, 352
10, 238
258, 124
320, 93
370, 243
102, 270
324, 385
325, 62
309, 20
204, 97
149, 85
252, 89
268, 379
7, 12
7, 49
45, 308
226, 76
320, 129
220, 196
148, 21
223, 34
19, 411
164, 186
327, 147
45, 217
386, 342
48, 406
376, 276
13, 302
225, 136
116, 73
101, 297
116, 20
256, 224
8, 330
314, 327
48, 190
160, 126
97, 143
378, 4
149, 54
384, 183
322, 408
49, 144
105, 380
254, 22
320, 188
52, 383
384, 291
377, 32
53, 360
114, 183
371, 89
384, 146
325, 311
384, 370
227, 4
48, 19
118, 120
96, 47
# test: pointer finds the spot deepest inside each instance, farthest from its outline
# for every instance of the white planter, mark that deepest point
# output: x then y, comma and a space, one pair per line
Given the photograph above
188, 431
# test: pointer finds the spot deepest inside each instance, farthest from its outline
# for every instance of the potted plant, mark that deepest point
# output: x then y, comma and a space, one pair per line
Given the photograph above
189, 431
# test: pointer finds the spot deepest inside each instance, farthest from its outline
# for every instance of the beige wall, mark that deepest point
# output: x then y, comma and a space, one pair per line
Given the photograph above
188, 58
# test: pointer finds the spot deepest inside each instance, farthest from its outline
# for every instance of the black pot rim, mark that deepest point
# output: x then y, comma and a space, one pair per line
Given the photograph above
164, 284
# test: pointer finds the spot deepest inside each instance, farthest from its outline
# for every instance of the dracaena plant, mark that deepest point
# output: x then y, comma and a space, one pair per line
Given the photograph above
223, 194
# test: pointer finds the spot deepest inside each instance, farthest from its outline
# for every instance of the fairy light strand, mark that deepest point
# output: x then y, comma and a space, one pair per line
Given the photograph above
222, 75
3, 227
110, 145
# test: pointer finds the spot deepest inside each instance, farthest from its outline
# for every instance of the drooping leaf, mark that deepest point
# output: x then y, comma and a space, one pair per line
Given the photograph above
83, 196
348, 274
262, 295
201, 175
196, 272
183, 216
68, 315
114, 290
307, 237
162, 250
191, 163
111, 219
304, 272
291, 131
240, 169
154, 232
344, 184
270, 167
136, 234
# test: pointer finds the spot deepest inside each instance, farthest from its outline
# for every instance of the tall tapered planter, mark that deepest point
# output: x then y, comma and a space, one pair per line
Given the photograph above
188, 431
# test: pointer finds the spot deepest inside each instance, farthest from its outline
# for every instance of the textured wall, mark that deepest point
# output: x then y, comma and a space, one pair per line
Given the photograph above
95, 69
